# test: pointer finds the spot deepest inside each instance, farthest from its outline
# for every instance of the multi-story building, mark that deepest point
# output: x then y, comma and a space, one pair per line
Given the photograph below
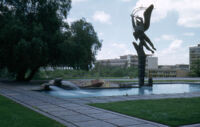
174, 67
178, 70
162, 73
168, 73
194, 54
130, 60
182, 67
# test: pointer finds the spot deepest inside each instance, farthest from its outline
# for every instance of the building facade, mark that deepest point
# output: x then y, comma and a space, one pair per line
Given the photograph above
168, 73
130, 60
152, 62
174, 67
194, 54
178, 70
152, 68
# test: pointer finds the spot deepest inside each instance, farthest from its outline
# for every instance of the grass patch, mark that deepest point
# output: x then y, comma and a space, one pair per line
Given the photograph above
172, 112
157, 81
15, 115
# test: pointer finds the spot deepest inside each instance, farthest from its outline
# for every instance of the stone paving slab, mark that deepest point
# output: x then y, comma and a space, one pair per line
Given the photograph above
78, 118
96, 123
143, 125
90, 111
64, 113
106, 116
124, 122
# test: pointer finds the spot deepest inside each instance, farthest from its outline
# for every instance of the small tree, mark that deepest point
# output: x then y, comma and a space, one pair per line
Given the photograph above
195, 68
84, 43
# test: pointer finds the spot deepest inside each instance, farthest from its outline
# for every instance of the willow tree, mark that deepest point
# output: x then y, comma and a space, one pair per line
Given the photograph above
33, 34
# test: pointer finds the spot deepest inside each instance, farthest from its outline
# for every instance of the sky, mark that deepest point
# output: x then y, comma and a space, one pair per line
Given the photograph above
175, 26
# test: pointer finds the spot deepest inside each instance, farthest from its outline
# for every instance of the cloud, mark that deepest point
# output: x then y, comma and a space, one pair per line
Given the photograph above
165, 37
188, 10
125, 0
102, 17
114, 50
100, 34
175, 53
161, 8
78, 1
175, 45
180, 56
70, 20
189, 34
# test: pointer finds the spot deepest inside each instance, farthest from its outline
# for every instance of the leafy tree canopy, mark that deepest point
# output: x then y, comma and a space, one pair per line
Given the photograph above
195, 68
33, 34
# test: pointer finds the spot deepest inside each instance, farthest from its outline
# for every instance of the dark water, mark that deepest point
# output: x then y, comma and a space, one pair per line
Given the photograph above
156, 89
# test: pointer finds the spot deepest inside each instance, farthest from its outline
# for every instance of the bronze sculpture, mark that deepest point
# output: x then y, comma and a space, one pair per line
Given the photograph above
140, 26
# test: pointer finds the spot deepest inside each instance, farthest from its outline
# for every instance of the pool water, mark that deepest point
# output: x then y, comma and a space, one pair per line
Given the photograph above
156, 89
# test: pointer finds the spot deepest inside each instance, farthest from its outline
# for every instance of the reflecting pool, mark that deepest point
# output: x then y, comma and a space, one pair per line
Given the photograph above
156, 89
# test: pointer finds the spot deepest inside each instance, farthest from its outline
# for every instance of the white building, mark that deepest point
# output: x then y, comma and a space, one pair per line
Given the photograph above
152, 62
130, 60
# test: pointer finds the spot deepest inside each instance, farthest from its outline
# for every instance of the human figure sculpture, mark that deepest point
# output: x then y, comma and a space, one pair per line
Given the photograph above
140, 26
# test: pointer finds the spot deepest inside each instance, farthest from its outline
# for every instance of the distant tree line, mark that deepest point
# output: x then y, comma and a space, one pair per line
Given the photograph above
34, 34
99, 71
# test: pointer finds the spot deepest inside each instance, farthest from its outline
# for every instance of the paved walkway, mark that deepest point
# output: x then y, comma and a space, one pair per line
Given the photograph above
75, 112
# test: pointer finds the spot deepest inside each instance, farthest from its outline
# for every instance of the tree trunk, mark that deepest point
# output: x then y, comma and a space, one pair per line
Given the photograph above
21, 76
33, 71
141, 62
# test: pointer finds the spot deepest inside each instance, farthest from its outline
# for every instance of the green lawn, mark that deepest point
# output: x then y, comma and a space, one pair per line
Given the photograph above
15, 115
173, 112
157, 81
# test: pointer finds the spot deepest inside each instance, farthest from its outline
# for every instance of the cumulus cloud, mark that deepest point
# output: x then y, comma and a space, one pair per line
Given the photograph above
70, 20
126, 0
175, 53
189, 34
167, 37
78, 1
188, 10
175, 45
102, 17
164, 37
100, 34
114, 50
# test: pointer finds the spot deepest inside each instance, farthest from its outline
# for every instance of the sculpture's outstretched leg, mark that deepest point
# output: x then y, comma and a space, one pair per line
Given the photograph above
146, 38
146, 46
136, 46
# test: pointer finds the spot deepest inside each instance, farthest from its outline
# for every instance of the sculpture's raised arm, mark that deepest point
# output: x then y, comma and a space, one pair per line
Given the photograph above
133, 21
